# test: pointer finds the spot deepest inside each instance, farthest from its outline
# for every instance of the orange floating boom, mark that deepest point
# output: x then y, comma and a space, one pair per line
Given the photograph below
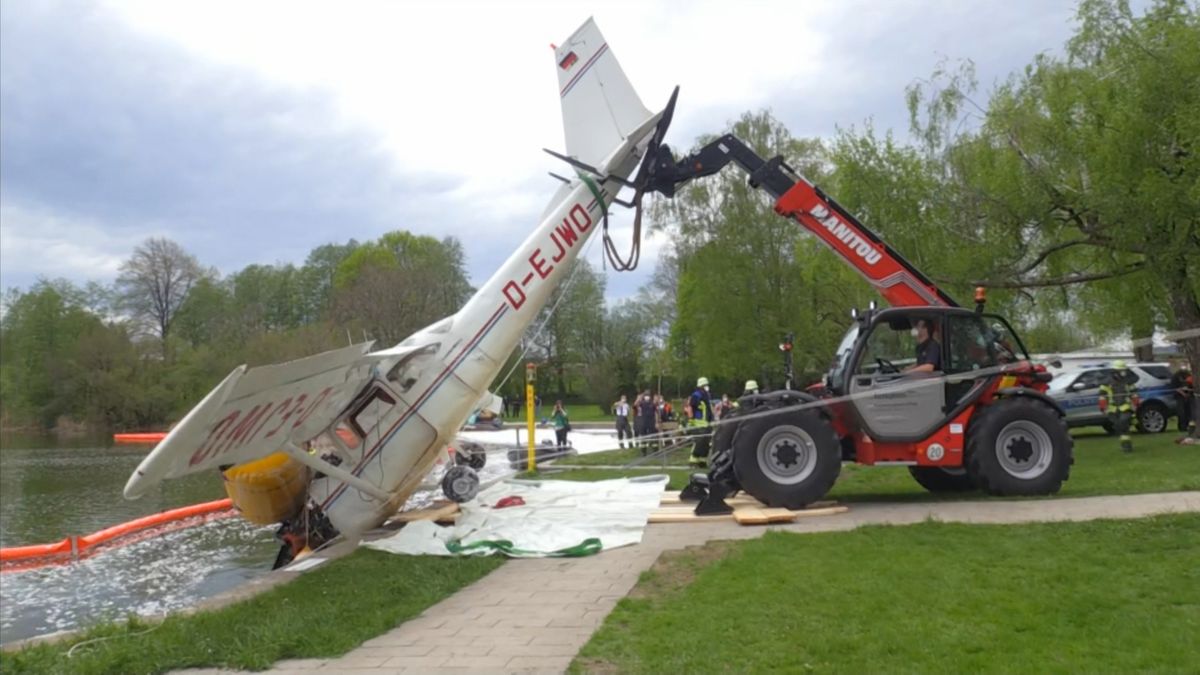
140, 437
44, 554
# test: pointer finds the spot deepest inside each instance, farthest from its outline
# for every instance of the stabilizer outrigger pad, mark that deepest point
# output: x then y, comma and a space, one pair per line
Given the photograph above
714, 502
710, 495
696, 490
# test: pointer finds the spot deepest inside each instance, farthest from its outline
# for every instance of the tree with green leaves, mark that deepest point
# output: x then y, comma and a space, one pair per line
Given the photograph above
398, 284
567, 331
745, 276
1075, 191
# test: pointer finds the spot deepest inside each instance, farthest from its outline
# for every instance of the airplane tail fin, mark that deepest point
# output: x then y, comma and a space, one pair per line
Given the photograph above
600, 108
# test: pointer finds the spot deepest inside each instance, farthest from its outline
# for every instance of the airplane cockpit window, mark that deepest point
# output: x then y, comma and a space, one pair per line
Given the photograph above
368, 416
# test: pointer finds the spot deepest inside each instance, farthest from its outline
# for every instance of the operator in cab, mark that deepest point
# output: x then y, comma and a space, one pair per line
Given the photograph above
929, 350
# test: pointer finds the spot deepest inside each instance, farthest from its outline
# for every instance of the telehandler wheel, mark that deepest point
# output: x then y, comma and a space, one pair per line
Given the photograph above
939, 479
787, 459
1019, 446
723, 436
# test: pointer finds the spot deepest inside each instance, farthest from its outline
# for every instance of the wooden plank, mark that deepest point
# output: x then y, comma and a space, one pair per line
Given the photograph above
750, 515
683, 515
441, 513
780, 515
743, 514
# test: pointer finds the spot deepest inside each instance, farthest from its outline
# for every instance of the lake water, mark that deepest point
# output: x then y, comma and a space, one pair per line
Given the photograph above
50, 489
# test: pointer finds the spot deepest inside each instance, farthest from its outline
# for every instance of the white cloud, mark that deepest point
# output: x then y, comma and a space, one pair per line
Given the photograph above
458, 98
455, 86
35, 242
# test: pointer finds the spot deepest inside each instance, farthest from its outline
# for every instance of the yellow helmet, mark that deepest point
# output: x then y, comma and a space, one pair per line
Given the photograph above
702, 382
1118, 364
751, 385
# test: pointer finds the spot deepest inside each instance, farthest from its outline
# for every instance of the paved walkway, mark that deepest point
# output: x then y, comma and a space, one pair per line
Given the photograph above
535, 615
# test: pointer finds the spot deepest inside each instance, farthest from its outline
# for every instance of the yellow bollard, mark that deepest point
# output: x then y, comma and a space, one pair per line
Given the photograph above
530, 377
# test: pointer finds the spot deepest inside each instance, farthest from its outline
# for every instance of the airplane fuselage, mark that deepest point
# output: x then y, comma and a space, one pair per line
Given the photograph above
435, 390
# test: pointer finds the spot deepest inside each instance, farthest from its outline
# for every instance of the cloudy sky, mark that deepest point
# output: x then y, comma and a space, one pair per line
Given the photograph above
251, 132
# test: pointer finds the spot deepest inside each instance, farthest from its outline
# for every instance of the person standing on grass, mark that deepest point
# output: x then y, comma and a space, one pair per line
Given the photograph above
1118, 401
562, 425
1184, 386
646, 414
700, 416
621, 410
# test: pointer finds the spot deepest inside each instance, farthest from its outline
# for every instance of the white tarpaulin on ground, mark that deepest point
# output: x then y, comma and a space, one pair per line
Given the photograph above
559, 518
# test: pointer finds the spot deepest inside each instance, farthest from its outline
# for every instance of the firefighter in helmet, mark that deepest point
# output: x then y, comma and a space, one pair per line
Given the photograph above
1118, 401
700, 415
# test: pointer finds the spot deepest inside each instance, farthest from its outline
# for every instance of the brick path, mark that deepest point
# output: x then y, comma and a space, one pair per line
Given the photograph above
535, 615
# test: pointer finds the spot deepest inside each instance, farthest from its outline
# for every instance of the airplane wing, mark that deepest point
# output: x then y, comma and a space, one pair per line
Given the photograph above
254, 412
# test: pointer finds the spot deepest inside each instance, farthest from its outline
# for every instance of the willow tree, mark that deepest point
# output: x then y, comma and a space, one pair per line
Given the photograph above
1077, 182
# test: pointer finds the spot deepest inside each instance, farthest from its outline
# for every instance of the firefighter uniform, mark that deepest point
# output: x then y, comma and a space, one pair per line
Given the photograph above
700, 406
1118, 401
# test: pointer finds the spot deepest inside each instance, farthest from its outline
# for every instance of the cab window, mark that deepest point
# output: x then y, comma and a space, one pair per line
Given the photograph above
972, 345
890, 348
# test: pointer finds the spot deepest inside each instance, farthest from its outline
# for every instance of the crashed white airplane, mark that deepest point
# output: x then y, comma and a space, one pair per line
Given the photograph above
370, 425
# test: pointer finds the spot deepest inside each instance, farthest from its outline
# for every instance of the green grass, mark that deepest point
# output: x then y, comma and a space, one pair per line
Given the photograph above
578, 412
1101, 596
1156, 465
679, 478
323, 613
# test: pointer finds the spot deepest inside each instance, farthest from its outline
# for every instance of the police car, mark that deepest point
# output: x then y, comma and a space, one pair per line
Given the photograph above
1077, 390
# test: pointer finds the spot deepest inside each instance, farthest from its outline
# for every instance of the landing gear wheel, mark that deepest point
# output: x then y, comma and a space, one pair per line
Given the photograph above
1152, 419
470, 454
460, 484
1019, 446
938, 479
787, 459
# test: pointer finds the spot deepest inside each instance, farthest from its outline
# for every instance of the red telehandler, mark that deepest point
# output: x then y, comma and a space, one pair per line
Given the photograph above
981, 421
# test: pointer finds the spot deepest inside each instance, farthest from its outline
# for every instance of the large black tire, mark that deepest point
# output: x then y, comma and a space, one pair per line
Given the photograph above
1019, 446
936, 479
725, 431
788, 459
1152, 417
